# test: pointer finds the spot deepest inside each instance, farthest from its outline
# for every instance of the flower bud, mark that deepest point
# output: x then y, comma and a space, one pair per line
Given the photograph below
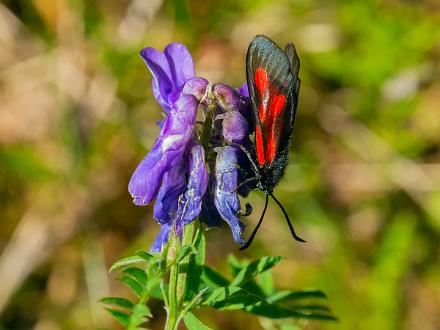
196, 86
235, 126
228, 98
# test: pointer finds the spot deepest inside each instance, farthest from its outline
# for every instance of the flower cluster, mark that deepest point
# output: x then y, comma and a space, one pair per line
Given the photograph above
195, 168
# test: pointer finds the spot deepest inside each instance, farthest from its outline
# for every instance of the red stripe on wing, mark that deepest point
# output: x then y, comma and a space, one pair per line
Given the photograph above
259, 145
275, 109
271, 107
261, 82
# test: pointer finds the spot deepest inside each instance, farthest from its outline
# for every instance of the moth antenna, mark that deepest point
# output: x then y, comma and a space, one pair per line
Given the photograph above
251, 238
292, 231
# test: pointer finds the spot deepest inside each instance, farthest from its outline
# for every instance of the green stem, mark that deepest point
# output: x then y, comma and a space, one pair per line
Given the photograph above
191, 304
164, 294
183, 270
178, 276
173, 307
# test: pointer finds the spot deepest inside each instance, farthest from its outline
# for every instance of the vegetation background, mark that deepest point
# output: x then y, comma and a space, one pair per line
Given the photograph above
363, 186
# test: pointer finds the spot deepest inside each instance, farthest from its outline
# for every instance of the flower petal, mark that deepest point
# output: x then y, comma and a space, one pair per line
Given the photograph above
161, 238
167, 151
209, 214
158, 65
244, 90
235, 126
237, 109
226, 198
190, 203
180, 63
173, 185
164, 235
170, 70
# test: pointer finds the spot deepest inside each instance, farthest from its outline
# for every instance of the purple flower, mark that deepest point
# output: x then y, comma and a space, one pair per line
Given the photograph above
229, 98
173, 185
243, 90
235, 126
196, 86
226, 197
179, 201
236, 109
163, 236
190, 203
175, 171
209, 214
167, 151
170, 69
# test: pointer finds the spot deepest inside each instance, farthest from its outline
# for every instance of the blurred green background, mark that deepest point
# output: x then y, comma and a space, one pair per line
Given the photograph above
363, 187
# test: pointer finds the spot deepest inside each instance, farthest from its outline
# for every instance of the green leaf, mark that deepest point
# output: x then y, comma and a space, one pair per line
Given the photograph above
156, 292
126, 261
253, 269
162, 258
311, 308
262, 286
195, 266
266, 283
234, 298
138, 274
119, 316
193, 323
117, 301
144, 255
235, 265
140, 315
213, 279
132, 284
294, 295
200, 246
184, 252
231, 298
273, 311
289, 327
142, 310
252, 287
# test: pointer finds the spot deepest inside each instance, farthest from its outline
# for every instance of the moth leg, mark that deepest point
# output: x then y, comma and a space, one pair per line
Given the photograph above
246, 181
247, 211
249, 156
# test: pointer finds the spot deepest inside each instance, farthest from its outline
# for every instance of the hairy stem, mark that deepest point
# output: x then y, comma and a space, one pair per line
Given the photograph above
178, 276
183, 269
173, 306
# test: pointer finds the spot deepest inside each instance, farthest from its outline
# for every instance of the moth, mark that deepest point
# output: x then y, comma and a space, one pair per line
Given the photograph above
273, 83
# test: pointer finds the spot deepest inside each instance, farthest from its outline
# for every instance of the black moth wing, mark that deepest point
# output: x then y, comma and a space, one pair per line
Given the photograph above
282, 69
293, 58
